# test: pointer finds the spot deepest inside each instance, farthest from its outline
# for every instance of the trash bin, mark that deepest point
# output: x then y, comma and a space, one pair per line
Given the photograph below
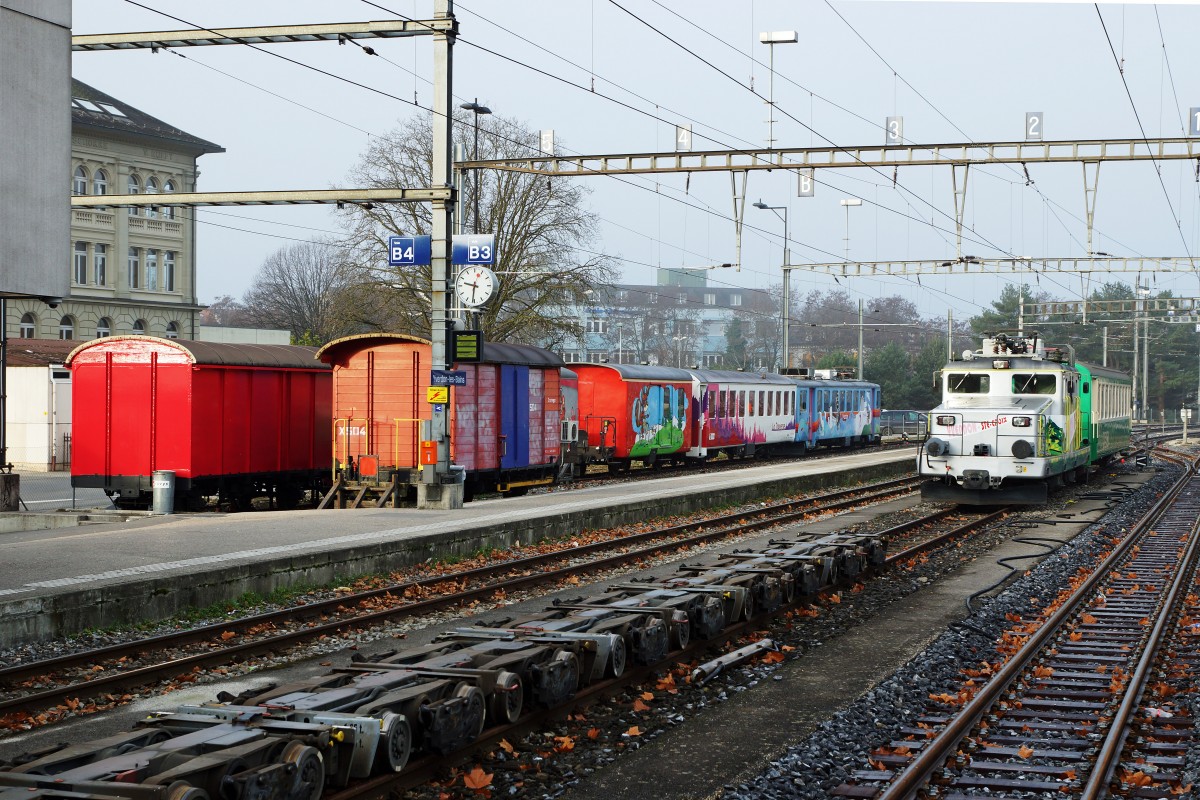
163, 483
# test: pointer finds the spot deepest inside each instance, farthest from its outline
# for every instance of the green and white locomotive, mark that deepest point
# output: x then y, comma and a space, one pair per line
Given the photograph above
1019, 416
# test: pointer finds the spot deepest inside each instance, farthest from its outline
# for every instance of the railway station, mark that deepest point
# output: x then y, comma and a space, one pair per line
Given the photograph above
448, 423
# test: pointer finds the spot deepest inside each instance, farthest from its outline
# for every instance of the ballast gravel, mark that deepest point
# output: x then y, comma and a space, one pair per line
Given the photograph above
841, 745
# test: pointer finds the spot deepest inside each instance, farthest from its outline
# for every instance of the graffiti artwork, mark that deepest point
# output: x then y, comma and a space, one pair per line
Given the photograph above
659, 415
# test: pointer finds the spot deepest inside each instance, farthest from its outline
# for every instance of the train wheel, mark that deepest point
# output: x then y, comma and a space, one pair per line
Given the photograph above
474, 717
310, 771
182, 790
681, 635
395, 743
618, 467
508, 700
616, 660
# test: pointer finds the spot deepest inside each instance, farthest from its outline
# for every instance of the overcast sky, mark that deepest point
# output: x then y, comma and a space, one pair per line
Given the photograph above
954, 72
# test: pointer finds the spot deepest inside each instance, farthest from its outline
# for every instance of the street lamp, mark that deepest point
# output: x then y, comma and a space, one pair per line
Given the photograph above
620, 341
679, 349
787, 298
771, 39
476, 109
848, 203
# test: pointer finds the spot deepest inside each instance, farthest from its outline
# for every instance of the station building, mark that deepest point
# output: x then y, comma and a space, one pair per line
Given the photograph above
132, 270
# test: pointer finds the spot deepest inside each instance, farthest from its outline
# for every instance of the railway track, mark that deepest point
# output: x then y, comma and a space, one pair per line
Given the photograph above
1081, 703
111, 672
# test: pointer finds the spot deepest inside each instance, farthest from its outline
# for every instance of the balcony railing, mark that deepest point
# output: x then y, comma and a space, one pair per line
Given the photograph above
162, 227
95, 219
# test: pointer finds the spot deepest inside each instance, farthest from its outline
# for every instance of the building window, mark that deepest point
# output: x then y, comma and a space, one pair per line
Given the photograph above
79, 184
169, 211
28, 329
152, 270
735, 299
172, 330
100, 182
134, 264
597, 325
81, 262
169, 271
710, 298
100, 264
103, 328
152, 188
134, 187
139, 327
66, 327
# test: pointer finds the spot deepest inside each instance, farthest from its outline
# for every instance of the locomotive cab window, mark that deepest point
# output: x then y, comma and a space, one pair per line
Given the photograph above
968, 383
1034, 383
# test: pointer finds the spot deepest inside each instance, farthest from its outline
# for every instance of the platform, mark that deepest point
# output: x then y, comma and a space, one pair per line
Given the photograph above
56, 582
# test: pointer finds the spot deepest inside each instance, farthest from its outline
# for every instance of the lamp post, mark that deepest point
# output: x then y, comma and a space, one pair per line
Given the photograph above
620, 341
679, 349
476, 109
772, 38
787, 298
849, 203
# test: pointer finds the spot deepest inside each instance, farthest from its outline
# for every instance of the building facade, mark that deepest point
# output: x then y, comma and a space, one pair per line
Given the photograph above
132, 270
682, 321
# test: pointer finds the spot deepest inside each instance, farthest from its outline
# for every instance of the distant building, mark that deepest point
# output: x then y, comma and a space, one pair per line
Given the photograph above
39, 408
680, 321
131, 270
227, 335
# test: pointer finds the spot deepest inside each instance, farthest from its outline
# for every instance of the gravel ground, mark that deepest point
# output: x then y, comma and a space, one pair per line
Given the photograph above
842, 744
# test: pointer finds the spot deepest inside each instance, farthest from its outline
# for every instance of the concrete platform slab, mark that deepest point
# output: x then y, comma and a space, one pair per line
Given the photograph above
65, 581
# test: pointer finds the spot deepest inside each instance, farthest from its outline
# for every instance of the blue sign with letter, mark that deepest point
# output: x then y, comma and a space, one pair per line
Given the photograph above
409, 251
474, 248
447, 377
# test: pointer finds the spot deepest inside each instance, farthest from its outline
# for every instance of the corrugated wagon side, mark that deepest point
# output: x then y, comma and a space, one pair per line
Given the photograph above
230, 420
505, 422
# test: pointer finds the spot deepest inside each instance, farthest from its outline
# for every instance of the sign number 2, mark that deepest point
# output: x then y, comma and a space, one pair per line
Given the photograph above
1033, 125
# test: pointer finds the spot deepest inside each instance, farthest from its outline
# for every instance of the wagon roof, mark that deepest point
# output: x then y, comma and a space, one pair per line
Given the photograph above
211, 353
493, 352
640, 372
38, 352
733, 376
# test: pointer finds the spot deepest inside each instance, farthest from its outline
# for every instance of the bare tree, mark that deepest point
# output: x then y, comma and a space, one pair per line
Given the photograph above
541, 227
224, 312
307, 289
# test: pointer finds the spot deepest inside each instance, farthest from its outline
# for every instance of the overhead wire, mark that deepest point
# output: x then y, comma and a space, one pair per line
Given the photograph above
415, 104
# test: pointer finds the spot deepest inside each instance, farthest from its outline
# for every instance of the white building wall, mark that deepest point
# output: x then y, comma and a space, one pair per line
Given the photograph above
218, 333
39, 418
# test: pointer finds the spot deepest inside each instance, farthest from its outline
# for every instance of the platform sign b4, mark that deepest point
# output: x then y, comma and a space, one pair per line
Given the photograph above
409, 251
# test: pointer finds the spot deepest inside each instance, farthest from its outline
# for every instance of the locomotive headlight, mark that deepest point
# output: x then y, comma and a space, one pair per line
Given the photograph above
1022, 422
945, 419
1000, 363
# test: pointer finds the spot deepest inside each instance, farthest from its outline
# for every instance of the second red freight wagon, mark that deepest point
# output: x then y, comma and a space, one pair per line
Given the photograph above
230, 420
505, 423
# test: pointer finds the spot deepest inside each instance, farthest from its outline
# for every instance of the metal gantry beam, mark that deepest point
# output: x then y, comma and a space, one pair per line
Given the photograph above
1142, 305
270, 34
908, 155
279, 198
971, 265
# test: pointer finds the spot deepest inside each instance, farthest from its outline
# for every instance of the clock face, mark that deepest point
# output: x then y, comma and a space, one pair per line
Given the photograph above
474, 285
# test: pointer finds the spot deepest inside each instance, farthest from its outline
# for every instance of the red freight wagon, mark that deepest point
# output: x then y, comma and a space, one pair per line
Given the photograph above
234, 420
505, 423
635, 411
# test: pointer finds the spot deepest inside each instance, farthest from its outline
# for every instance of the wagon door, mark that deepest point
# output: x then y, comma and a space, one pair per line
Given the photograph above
514, 416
